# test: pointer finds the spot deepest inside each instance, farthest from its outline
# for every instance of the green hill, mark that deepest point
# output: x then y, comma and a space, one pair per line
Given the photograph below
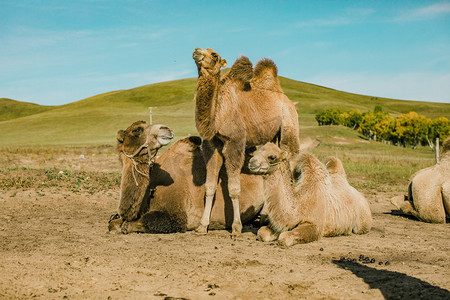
12, 109
95, 120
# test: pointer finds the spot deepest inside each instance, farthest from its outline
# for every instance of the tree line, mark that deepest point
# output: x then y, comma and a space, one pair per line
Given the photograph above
410, 129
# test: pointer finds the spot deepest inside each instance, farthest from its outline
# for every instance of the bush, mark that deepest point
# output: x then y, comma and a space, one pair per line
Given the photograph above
408, 129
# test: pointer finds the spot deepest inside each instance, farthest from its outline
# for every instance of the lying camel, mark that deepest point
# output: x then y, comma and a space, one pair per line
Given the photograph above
174, 198
429, 191
243, 109
317, 204
138, 146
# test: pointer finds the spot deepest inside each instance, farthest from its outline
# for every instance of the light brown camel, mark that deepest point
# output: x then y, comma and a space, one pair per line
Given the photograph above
174, 199
244, 108
429, 191
317, 204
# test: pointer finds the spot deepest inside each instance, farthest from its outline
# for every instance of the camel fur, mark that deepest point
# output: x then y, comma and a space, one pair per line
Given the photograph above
174, 199
240, 110
428, 196
316, 204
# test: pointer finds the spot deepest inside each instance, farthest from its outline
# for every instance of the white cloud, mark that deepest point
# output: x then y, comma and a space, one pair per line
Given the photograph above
339, 21
350, 16
420, 86
424, 13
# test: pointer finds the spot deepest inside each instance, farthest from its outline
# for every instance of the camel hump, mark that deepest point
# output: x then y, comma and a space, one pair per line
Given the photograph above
192, 142
241, 71
334, 165
306, 162
195, 140
265, 75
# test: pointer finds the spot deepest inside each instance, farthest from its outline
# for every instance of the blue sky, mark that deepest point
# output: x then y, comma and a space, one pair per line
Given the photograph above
55, 52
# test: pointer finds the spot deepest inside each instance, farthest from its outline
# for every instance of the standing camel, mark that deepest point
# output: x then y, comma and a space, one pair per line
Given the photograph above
244, 108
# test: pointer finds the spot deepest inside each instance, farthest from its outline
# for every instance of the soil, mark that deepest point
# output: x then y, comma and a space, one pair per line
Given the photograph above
54, 244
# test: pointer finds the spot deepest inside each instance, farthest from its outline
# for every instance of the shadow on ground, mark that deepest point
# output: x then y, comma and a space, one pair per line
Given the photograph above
394, 285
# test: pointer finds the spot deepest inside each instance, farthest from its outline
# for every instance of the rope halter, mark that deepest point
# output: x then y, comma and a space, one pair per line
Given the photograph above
132, 156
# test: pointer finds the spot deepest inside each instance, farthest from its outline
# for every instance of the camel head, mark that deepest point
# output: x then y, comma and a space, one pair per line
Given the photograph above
266, 158
208, 61
141, 138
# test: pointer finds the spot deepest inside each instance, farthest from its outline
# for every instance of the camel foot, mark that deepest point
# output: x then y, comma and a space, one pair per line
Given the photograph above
114, 226
124, 227
398, 201
266, 234
202, 229
236, 229
286, 239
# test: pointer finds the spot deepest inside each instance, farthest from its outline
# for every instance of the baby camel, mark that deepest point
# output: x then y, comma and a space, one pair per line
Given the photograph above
317, 204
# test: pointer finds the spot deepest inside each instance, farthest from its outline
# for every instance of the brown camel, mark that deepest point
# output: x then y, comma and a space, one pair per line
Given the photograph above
429, 191
137, 146
317, 204
174, 199
245, 108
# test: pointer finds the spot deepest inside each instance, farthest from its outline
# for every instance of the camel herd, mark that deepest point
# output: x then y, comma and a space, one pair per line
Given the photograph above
247, 165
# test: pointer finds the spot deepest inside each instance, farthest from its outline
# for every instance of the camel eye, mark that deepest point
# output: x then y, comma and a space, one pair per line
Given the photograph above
272, 158
214, 55
137, 130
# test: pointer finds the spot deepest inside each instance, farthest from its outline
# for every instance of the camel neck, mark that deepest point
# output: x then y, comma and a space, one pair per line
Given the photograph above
138, 167
206, 100
282, 207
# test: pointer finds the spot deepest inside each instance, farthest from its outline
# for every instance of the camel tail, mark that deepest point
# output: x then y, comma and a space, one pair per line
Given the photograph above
163, 222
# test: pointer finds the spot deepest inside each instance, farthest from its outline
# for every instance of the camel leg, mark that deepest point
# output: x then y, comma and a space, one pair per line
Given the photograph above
290, 140
134, 226
266, 234
214, 162
114, 225
233, 153
304, 233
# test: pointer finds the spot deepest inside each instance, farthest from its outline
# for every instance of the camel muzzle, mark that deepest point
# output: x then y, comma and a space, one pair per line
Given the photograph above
198, 55
255, 166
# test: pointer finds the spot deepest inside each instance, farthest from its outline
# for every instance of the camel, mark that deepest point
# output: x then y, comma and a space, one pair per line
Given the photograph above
173, 198
428, 196
137, 146
320, 203
243, 109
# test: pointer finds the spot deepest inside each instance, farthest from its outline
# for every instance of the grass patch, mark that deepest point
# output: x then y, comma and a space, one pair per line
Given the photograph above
75, 181
373, 166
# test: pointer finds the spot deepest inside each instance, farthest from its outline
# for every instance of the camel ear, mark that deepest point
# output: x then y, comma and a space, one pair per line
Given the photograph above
120, 136
223, 63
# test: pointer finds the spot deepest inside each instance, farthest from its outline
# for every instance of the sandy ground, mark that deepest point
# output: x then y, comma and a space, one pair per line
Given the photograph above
54, 244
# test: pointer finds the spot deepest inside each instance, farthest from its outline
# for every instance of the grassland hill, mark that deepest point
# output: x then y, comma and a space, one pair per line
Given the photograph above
95, 120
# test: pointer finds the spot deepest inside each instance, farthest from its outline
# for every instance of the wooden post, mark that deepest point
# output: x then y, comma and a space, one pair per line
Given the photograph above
150, 108
437, 150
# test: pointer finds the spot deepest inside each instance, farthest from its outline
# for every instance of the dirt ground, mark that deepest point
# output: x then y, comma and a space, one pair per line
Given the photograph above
55, 245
